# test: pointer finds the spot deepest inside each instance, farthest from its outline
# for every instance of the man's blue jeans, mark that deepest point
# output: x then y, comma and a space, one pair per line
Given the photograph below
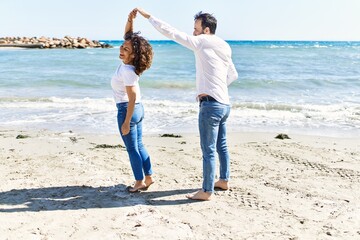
212, 128
139, 157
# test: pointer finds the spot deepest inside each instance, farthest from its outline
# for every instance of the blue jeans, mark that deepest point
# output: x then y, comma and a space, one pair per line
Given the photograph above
139, 157
212, 128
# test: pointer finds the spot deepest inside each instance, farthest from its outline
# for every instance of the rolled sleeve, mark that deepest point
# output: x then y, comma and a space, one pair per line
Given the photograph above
232, 74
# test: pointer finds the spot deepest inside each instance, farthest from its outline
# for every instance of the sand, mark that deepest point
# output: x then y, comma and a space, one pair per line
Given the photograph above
68, 185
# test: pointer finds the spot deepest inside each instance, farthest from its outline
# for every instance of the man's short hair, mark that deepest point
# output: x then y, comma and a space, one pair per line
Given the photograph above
207, 20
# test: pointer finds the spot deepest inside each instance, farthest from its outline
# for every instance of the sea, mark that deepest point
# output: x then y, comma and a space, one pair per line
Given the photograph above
292, 87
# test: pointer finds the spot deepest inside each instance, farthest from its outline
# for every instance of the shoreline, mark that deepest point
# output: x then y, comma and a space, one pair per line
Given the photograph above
72, 185
21, 46
193, 130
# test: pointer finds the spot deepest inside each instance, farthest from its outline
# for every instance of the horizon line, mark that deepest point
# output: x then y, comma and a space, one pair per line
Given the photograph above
233, 40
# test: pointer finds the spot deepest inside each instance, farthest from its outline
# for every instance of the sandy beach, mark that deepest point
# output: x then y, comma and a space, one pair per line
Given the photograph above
67, 185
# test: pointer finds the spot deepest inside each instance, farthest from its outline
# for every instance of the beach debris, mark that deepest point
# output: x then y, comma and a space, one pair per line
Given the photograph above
131, 214
138, 224
109, 146
20, 136
171, 135
46, 42
282, 136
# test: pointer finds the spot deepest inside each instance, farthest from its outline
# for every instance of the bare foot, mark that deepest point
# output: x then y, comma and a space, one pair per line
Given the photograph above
222, 184
139, 185
148, 180
199, 195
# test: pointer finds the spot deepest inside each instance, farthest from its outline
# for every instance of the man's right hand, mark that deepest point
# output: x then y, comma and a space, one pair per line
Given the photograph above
143, 13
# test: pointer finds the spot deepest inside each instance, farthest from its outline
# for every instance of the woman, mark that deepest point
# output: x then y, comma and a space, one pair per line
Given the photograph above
136, 55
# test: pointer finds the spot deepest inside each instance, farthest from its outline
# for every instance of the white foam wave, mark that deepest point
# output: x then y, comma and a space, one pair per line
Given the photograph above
99, 115
59, 103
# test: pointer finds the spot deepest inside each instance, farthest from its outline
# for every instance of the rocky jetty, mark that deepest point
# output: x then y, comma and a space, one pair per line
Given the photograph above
45, 42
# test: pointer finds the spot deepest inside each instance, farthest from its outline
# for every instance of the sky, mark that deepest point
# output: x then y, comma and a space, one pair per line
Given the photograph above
333, 20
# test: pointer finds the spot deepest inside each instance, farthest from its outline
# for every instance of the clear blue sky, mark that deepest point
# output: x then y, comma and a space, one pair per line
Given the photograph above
237, 19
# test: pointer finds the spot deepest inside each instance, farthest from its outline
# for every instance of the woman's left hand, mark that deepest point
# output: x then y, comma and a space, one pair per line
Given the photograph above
132, 15
125, 129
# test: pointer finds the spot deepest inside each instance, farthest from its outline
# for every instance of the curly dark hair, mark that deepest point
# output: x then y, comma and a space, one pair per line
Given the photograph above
143, 51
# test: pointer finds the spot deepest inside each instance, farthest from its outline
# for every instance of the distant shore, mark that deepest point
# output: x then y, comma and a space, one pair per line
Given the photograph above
46, 43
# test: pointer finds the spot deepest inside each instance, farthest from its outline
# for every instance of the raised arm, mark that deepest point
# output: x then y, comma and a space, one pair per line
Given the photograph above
129, 22
189, 41
143, 12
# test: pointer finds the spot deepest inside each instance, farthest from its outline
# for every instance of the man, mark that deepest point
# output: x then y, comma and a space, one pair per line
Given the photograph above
215, 71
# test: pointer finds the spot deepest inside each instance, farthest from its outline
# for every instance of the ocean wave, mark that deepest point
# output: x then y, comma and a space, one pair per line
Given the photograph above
56, 103
267, 106
164, 84
297, 107
99, 115
281, 84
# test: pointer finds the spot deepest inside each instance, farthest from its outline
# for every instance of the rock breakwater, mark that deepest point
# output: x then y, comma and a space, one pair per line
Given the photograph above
46, 42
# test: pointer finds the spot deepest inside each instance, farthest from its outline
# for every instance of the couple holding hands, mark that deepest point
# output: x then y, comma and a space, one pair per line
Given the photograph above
215, 71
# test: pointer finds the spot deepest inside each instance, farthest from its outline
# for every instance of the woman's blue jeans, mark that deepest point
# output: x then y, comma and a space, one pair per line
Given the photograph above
212, 128
139, 157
